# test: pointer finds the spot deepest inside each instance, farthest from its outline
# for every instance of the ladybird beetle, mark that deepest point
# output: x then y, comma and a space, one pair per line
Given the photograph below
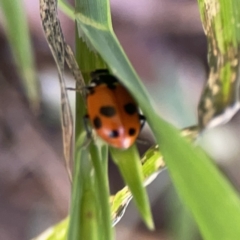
112, 111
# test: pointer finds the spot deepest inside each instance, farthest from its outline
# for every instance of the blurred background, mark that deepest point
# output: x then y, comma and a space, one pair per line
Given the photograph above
165, 42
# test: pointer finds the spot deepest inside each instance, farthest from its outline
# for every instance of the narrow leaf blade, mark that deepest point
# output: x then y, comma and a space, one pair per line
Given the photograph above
130, 167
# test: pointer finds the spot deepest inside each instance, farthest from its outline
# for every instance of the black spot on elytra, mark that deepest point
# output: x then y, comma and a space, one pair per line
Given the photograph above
131, 131
97, 122
114, 134
130, 108
107, 111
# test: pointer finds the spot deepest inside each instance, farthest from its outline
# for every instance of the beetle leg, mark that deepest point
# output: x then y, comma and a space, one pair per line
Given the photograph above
85, 123
142, 120
78, 89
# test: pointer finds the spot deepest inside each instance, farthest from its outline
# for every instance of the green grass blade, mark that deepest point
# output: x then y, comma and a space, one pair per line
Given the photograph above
66, 8
90, 209
196, 178
89, 222
152, 163
18, 35
93, 189
130, 167
214, 203
78, 189
84, 220
102, 188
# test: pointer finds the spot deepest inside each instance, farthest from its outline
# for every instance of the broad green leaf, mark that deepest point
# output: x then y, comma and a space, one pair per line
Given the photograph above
17, 30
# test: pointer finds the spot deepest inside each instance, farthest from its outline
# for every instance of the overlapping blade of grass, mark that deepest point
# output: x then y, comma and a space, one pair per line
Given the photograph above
18, 35
102, 190
212, 200
87, 213
131, 170
96, 222
141, 199
152, 164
